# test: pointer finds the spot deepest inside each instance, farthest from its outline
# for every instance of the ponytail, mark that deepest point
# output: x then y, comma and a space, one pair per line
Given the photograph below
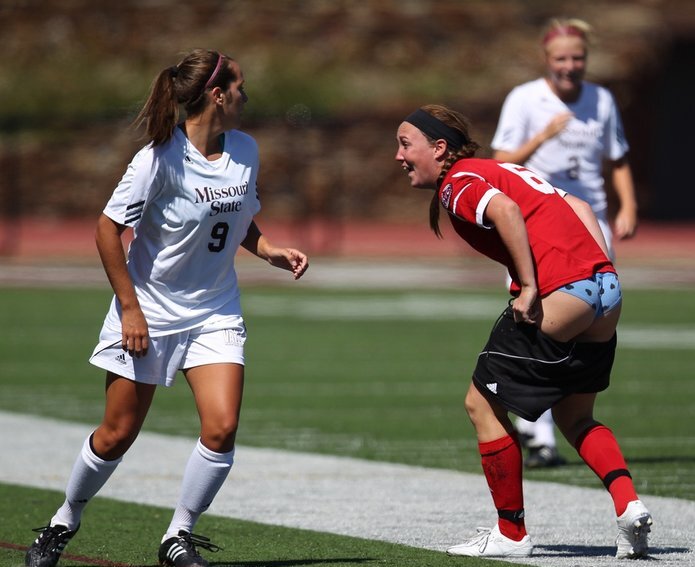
466, 151
434, 215
185, 84
160, 114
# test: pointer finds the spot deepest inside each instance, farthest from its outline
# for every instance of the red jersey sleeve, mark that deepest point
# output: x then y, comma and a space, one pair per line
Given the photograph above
467, 195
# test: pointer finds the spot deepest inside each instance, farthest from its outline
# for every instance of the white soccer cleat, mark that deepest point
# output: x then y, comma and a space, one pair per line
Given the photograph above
491, 543
634, 526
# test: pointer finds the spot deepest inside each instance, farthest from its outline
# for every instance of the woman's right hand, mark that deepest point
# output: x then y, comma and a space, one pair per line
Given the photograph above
135, 335
557, 124
526, 306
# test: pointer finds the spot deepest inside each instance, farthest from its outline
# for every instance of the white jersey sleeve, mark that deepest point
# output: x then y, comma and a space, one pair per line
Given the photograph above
133, 191
615, 144
512, 128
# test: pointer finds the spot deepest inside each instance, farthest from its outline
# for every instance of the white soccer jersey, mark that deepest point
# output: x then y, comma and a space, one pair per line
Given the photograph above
573, 159
189, 216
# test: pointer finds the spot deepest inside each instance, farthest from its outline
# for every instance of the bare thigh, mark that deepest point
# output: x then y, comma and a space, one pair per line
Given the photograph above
491, 420
127, 404
218, 391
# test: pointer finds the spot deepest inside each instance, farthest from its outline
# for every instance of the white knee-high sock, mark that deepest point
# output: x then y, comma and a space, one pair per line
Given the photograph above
544, 434
205, 474
524, 426
542, 431
89, 474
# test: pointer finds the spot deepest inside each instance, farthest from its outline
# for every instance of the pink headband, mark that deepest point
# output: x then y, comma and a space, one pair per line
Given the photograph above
562, 30
220, 57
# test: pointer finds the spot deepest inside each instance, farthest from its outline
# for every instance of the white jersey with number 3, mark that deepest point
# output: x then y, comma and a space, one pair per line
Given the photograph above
189, 217
573, 159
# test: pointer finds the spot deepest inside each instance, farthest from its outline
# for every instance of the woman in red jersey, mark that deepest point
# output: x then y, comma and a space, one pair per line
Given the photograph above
553, 347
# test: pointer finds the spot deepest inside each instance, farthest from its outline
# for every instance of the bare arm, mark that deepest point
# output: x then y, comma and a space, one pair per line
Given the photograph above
509, 223
528, 148
133, 323
285, 258
583, 210
625, 224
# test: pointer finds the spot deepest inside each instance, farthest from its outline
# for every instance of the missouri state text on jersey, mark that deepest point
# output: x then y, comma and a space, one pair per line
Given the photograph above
222, 200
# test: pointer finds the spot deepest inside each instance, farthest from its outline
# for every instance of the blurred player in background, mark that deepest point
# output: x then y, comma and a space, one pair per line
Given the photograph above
567, 129
554, 346
190, 197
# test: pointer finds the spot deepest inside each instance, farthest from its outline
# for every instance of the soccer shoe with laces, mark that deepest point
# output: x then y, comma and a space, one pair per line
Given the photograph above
634, 526
180, 551
491, 543
543, 457
47, 548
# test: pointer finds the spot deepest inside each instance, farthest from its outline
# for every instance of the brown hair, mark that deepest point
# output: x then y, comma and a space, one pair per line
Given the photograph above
459, 122
184, 84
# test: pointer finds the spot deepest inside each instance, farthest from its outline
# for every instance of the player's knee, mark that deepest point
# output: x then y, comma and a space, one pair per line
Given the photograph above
113, 442
220, 436
475, 405
572, 428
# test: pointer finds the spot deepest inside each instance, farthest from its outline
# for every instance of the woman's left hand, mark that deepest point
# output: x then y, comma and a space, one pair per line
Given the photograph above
289, 259
625, 224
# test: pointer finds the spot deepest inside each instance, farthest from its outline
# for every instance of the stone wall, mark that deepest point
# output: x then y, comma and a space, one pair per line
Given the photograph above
329, 80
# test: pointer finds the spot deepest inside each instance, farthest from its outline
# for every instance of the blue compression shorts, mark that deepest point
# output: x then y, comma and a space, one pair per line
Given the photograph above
601, 291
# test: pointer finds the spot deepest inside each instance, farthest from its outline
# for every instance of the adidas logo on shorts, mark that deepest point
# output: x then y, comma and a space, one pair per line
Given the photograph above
121, 359
492, 387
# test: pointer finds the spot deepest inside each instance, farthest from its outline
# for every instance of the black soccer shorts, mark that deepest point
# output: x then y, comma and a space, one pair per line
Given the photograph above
527, 372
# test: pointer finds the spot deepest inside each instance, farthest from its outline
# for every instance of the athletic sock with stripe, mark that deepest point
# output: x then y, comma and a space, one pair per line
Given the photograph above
89, 474
503, 468
600, 450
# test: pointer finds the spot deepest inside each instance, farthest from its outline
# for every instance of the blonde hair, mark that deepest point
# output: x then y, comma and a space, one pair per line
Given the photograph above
558, 27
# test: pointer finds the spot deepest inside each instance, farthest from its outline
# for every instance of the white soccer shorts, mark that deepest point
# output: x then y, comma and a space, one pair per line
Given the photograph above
170, 353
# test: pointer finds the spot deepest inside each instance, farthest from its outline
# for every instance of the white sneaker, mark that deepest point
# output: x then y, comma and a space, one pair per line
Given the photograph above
491, 543
634, 526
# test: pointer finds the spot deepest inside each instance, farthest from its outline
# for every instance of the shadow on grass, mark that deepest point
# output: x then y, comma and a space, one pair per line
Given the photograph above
269, 563
294, 562
660, 460
560, 551
663, 459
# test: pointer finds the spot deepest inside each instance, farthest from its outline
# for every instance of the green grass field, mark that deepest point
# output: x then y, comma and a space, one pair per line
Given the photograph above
375, 375
134, 540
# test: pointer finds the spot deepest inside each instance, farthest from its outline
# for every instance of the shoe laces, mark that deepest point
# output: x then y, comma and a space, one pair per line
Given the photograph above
51, 536
481, 538
193, 541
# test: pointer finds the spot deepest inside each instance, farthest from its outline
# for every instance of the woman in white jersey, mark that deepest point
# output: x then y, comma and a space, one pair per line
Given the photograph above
190, 197
567, 129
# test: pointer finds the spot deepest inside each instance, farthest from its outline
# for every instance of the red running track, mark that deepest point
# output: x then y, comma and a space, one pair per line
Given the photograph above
32, 238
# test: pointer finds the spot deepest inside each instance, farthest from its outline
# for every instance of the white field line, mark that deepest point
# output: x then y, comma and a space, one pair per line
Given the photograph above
416, 506
351, 273
429, 306
424, 305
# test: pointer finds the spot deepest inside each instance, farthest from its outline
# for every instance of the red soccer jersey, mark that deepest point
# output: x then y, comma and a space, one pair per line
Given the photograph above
563, 249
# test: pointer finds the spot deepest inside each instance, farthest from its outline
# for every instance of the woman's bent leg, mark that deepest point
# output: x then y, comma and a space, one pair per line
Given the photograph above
218, 390
502, 462
127, 403
599, 449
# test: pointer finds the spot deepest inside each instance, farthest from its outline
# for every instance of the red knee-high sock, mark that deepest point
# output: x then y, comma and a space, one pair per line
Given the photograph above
599, 449
503, 465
